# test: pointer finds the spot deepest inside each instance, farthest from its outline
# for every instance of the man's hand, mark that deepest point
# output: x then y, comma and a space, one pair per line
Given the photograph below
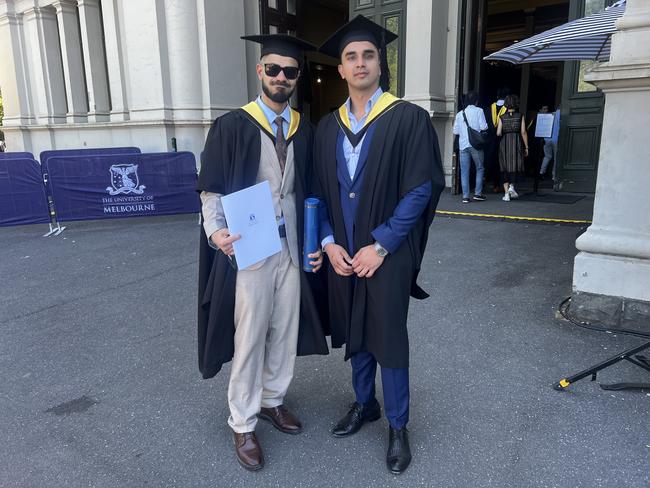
339, 258
317, 260
366, 261
223, 240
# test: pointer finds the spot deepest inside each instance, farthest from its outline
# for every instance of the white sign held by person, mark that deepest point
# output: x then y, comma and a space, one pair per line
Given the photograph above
544, 125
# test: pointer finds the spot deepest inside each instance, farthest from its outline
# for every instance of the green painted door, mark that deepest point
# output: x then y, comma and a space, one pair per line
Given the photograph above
582, 117
392, 15
278, 16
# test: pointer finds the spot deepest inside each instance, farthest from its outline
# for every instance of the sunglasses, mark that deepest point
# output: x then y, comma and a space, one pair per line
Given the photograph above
273, 70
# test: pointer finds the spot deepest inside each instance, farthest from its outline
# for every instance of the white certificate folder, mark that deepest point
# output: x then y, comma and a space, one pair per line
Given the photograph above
249, 213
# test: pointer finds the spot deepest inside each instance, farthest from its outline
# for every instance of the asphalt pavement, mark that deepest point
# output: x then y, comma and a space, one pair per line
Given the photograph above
99, 385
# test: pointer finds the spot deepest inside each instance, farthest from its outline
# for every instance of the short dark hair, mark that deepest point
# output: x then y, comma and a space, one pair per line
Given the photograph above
470, 98
503, 92
512, 102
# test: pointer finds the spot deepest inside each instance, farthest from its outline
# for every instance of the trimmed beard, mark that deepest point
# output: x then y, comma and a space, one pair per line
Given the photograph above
279, 97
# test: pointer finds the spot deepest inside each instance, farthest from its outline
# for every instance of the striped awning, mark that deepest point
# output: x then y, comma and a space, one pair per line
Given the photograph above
585, 38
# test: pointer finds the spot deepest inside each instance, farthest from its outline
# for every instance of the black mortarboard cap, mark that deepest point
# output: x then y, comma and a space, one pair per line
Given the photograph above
282, 44
358, 29
361, 29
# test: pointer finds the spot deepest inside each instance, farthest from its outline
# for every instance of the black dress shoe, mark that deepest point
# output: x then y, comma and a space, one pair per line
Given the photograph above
398, 457
355, 418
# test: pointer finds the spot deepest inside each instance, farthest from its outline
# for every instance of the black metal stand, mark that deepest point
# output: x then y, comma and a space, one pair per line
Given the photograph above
631, 355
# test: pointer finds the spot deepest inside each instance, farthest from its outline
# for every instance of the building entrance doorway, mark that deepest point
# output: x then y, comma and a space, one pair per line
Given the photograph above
490, 25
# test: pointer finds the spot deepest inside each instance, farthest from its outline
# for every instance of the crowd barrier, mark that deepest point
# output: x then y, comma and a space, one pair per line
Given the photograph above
22, 194
91, 151
16, 155
125, 185
96, 183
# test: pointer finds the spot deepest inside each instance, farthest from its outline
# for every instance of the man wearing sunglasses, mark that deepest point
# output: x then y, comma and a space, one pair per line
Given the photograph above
261, 317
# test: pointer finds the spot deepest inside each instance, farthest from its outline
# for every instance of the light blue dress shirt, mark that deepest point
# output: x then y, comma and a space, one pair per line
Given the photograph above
271, 116
352, 153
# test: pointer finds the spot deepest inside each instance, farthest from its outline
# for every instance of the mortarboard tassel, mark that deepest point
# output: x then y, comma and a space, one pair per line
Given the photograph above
384, 79
305, 82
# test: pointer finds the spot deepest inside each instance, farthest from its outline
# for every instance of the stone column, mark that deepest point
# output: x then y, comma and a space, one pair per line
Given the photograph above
184, 59
13, 75
45, 66
145, 54
223, 60
252, 26
430, 67
73, 66
92, 41
611, 278
422, 73
114, 60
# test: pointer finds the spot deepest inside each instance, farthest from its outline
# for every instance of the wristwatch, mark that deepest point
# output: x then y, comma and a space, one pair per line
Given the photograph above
381, 252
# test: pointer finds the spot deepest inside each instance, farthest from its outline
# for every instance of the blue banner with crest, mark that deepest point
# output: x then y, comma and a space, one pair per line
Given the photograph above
92, 187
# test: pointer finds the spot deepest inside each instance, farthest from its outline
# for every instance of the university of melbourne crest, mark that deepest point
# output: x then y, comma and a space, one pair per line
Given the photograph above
124, 180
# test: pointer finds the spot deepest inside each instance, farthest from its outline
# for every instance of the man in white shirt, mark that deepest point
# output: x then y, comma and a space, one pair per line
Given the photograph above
476, 120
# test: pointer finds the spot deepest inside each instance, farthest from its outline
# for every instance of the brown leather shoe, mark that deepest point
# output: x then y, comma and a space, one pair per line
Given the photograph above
282, 419
248, 450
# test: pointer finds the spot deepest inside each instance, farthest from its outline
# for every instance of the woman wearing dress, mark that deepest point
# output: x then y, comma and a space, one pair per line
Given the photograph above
512, 128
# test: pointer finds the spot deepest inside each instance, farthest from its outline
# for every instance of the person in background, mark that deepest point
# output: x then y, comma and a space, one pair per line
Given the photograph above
491, 152
475, 117
536, 144
550, 146
513, 146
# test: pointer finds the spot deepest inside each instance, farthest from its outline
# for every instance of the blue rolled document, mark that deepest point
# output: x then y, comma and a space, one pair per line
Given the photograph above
311, 232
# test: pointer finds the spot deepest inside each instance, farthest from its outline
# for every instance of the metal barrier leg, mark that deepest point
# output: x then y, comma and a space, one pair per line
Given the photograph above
54, 231
630, 355
55, 227
48, 234
59, 229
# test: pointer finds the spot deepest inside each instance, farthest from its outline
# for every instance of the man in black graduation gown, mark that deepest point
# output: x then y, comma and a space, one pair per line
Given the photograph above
261, 316
377, 167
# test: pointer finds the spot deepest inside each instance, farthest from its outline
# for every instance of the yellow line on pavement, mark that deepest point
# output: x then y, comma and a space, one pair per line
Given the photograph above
513, 217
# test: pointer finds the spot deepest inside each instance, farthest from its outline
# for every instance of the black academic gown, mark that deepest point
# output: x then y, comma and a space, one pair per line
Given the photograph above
371, 314
230, 162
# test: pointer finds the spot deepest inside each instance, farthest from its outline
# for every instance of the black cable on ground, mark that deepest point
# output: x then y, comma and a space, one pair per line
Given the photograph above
563, 308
